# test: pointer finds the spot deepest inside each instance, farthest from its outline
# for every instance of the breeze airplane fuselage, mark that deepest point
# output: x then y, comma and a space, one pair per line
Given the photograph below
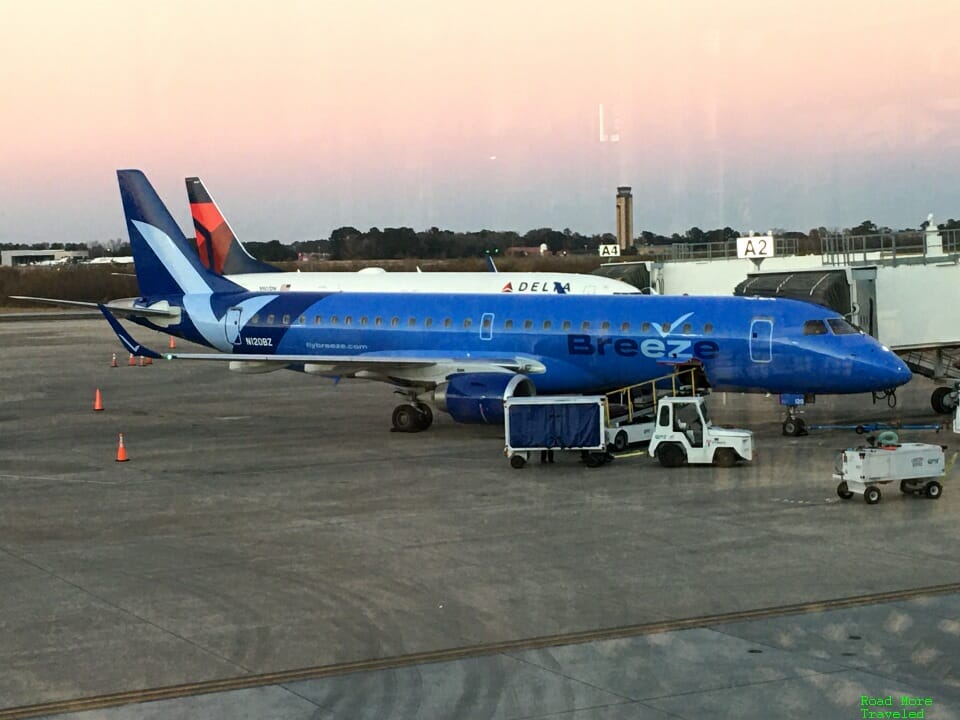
563, 344
222, 253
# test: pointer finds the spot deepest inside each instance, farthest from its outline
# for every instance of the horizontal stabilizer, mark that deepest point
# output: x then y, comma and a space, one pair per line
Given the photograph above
129, 343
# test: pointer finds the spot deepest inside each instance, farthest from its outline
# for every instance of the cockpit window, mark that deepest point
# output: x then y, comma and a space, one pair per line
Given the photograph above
841, 327
814, 327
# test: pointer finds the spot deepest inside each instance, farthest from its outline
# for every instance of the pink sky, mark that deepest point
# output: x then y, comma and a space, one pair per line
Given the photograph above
304, 116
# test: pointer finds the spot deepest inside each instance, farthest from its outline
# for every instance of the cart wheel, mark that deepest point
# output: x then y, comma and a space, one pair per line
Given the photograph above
725, 457
670, 455
843, 492
872, 495
591, 460
934, 490
905, 488
620, 441
517, 461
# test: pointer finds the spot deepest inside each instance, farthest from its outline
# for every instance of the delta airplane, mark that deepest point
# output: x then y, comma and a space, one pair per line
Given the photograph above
221, 252
466, 353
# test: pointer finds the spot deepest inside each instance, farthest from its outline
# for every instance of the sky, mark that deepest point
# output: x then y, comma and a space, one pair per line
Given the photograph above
302, 117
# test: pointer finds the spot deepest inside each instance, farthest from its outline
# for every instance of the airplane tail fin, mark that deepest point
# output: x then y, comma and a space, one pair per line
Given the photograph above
164, 262
217, 245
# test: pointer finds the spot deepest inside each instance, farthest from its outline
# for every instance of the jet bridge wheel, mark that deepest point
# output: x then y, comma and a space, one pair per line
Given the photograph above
943, 401
410, 418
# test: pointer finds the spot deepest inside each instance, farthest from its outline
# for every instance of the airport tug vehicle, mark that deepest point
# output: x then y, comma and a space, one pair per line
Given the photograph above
863, 469
684, 433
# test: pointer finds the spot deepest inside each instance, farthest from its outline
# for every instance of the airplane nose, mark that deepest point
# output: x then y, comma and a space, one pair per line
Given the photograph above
891, 371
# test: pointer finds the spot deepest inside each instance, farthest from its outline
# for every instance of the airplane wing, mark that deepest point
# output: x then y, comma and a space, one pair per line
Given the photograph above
371, 364
126, 306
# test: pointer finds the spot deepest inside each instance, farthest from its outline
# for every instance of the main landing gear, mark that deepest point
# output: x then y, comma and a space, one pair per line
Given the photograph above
412, 417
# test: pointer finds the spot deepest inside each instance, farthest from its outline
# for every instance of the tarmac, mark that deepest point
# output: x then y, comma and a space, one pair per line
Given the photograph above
271, 527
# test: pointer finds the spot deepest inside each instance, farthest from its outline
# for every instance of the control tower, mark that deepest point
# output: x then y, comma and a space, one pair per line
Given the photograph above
624, 217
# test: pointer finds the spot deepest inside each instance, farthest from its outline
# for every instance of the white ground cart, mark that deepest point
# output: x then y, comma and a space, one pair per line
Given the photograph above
917, 466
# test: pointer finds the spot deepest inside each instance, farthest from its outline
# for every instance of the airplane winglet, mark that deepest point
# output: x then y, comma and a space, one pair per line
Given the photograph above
491, 265
132, 345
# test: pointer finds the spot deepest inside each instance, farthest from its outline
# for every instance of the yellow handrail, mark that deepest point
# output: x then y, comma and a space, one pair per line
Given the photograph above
672, 377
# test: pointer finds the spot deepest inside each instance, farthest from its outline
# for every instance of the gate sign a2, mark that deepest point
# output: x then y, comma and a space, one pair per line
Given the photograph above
755, 246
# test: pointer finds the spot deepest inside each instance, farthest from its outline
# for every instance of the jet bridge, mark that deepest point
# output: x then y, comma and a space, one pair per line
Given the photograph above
907, 307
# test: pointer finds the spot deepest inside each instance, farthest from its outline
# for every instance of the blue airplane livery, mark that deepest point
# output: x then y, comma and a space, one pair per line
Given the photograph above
464, 353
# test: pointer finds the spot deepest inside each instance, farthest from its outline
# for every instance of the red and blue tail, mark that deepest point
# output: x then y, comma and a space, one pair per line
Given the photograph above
217, 245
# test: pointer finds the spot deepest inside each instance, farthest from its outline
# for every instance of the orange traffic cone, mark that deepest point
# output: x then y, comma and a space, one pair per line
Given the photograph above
173, 343
148, 361
131, 362
113, 360
97, 402
141, 361
121, 451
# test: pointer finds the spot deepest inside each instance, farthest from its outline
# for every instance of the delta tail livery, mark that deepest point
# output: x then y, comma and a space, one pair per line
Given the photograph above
464, 353
221, 252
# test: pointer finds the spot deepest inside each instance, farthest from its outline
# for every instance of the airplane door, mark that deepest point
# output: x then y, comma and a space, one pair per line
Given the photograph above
486, 326
232, 325
761, 340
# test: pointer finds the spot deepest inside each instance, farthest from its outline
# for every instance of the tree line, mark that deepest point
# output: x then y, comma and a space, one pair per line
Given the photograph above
349, 243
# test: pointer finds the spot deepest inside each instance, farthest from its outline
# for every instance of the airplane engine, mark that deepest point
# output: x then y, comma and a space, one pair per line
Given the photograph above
478, 397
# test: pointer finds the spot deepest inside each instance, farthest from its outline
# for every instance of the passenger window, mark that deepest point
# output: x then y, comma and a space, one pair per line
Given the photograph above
625, 327
467, 323
303, 319
270, 319
286, 319
665, 327
508, 325
645, 328
605, 325
347, 320
814, 327
411, 322
317, 320
841, 327
686, 329
363, 320
447, 322
333, 319
527, 324
379, 321
547, 324
394, 322
428, 322
707, 328
566, 325
255, 320
585, 325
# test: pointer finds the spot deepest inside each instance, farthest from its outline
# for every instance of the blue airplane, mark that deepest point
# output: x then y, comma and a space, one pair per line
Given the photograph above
465, 353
